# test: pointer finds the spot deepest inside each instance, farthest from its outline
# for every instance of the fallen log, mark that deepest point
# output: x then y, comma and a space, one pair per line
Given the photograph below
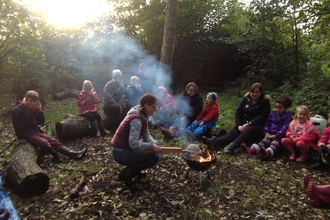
73, 126
68, 93
23, 172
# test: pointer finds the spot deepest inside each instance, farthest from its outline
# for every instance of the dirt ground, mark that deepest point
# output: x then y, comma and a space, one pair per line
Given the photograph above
239, 187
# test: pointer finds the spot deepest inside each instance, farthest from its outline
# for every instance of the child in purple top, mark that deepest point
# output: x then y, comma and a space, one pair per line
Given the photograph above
277, 124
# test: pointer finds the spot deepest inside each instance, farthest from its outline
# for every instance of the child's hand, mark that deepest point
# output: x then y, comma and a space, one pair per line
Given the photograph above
200, 124
38, 105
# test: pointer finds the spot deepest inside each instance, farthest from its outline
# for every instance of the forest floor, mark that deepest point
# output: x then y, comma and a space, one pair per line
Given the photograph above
240, 187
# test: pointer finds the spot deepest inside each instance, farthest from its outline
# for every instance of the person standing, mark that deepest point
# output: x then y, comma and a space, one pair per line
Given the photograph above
27, 116
113, 99
133, 92
147, 78
250, 118
132, 136
87, 99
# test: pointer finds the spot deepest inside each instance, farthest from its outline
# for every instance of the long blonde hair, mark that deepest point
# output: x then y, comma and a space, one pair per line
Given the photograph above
87, 86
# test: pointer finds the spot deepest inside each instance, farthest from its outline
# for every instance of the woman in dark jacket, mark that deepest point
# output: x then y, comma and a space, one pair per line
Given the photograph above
250, 118
188, 108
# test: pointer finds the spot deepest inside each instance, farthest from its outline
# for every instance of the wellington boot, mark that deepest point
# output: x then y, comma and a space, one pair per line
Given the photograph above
264, 154
102, 128
293, 154
304, 155
96, 128
249, 150
55, 154
319, 195
73, 154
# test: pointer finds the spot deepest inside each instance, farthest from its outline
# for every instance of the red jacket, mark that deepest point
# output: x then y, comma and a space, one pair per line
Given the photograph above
308, 135
209, 113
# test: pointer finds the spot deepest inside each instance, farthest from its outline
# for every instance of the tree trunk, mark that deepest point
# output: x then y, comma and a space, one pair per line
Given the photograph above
168, 36
23, 172
73, 126
68, 93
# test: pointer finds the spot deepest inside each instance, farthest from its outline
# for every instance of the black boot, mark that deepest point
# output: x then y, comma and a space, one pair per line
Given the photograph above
210, 142
319, 164
73, 154
229, 149
56, 156
126, 175
132, 171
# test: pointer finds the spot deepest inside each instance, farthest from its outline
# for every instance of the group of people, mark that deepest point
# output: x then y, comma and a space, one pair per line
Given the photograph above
257, 129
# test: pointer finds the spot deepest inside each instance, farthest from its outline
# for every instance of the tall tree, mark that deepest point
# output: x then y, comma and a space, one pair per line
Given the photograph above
169, 35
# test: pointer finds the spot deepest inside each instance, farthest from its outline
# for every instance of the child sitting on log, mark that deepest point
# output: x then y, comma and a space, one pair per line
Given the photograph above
87, 99
27, 115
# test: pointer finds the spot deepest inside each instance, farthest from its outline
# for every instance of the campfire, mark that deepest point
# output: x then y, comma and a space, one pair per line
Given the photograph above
204, 159
198, 160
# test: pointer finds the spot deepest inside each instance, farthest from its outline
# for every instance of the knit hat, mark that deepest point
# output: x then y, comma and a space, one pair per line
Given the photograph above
213, 96
116, 72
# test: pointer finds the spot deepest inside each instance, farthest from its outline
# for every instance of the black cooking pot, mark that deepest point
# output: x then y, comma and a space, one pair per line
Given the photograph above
199, 166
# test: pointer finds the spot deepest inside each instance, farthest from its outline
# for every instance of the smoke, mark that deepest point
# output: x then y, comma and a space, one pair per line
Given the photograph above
102, 53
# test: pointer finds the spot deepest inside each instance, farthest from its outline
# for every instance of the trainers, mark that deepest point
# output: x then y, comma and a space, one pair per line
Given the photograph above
209, 142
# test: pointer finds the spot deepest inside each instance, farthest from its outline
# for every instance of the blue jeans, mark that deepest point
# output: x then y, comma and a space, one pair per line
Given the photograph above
131, 157
197, 130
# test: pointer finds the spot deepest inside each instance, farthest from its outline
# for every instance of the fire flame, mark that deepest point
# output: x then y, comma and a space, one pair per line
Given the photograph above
205, 159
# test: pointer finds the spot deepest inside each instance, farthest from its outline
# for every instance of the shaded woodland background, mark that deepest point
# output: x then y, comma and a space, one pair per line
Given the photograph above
219, 44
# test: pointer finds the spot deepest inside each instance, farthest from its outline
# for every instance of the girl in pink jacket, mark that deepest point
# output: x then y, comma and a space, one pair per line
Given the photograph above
301, 134
87, 100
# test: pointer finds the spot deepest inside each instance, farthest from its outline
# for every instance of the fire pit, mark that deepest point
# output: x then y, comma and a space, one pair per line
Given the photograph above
198, 161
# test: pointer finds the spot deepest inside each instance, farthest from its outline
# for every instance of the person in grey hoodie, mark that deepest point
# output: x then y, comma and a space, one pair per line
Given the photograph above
113, 100
133, 137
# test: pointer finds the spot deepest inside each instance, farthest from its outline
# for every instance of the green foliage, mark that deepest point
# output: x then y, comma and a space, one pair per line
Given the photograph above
56, 110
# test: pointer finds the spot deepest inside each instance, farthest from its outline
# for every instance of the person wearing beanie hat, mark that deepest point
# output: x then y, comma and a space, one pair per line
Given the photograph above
113, 100
115, 73
250, 117
206, 119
